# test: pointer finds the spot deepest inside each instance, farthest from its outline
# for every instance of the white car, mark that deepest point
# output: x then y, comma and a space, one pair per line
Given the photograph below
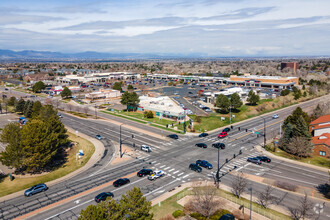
146, 148
156, 174
275, 116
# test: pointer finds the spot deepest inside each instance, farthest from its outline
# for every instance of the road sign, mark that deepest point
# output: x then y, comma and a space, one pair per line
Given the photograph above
257, 132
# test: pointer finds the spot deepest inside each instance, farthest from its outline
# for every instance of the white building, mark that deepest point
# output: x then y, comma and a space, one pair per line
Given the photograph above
103, 94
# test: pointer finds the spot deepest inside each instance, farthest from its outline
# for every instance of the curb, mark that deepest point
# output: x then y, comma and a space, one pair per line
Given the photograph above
263, 151
99, 149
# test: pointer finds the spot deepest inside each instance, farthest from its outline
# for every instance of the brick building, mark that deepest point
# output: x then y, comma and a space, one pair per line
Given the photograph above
320, 129
293, 65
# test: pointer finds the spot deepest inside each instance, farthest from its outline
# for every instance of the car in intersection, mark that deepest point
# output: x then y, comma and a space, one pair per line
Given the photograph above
35, 189
226, 130
173, 136
254, 160
275, 116
195, 167
103, 196
98, 137
120, 182
219, 145
156, 175
264, 159
201, 145
144, 172
223, 134
146, 148
203, 134
204, 163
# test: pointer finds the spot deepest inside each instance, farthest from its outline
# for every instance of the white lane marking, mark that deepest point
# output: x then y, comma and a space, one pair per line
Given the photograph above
162, 166
171, 170
180, 174
185, 176
176, 172
167, 168
305, 170
243, 166
160, 188
313, 184
157, 164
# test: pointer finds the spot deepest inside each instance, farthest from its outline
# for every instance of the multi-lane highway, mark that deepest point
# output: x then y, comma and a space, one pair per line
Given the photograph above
172, 156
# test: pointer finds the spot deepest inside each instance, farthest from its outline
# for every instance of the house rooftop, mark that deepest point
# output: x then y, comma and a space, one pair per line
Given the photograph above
322, 139
320, 120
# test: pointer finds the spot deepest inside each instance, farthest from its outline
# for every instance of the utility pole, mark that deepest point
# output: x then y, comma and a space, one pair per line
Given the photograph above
264, 132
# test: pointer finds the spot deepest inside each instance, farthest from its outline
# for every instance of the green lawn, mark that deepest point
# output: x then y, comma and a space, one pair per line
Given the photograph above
8, 187
314, 160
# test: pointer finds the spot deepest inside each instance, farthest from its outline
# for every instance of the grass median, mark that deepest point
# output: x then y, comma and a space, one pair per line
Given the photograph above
7, 187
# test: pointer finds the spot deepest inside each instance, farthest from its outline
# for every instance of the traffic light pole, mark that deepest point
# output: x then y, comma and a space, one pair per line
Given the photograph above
218, 172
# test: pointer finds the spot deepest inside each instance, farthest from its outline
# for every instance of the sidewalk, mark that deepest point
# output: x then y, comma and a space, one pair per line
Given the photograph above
99, 150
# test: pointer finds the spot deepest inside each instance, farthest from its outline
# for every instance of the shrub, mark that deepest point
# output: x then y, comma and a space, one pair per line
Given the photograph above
285, 92
286, 185
197, 216
261, 108
178, 213
148, 114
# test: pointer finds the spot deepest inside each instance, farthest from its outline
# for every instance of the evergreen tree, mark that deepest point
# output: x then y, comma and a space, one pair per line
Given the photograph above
222, 102
12, 101
28, 108
293, 118
253, 98
130, 87
297, 94
20, 106
300, 129
36, 109
12, 156
66, 93
38, 86
136, 205
235, 101
130, 99
286, 137
117, 86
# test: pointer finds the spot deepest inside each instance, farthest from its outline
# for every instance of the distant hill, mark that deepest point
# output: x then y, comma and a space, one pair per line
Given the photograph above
9, 55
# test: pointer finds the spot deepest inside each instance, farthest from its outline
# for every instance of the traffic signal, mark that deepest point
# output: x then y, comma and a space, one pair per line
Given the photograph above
239, 128
132, 135
245, 130
234, 155
226, 160
231, 127
166, 126
240, 152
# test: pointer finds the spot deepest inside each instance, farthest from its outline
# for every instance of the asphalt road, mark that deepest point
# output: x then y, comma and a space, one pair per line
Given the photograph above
172, 156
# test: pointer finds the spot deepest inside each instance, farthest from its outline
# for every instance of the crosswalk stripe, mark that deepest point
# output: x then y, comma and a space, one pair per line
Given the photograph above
176, 172
171, 170
180, 174
167, 168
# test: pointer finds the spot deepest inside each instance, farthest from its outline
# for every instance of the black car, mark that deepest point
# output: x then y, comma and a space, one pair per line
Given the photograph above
204, 163
173, 136
226, 130
144, 172
254, 160
195, 167
227, 217
36, 189
203, 135
202, 145
120, 182
103, 196
264, 159
219, 145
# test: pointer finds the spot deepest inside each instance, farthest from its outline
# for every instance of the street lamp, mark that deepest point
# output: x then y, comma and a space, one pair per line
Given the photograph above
250, 189
120, 142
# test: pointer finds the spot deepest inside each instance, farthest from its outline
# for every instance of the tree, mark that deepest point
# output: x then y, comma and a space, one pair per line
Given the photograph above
20, 106
265, 197
136, 205
286, 137
239, 184
304, 210
13, 155
285, 92
38, 86
130, 87
130, 99
318, 112
66, 93
297, 94
293, 118
300, 129
295, 89
235, 101
12, 101
117, 86
222, 102
36, 109
28, 109
300, 147
148, 114
133, 204
253, 98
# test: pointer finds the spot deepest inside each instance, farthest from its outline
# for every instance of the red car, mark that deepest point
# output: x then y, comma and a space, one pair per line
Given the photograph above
222, 134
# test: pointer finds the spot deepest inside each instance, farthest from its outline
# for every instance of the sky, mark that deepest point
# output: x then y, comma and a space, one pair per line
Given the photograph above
206, 27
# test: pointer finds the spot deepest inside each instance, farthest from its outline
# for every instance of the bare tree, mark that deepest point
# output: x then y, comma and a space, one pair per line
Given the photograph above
300, 147
304, 209
265, 197
86, 110
239, 184
204, 201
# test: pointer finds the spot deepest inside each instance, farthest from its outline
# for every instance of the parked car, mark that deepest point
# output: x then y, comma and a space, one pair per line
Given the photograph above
99, 137
223, 134
35, 189
254, 160
203, 135
226, 130
156, 175
264, 159
144, 172
120, 182
204, 163
146, 148
173, 136
195, 167
103, 196
219, 145
275, 116
227, 217
202, 145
